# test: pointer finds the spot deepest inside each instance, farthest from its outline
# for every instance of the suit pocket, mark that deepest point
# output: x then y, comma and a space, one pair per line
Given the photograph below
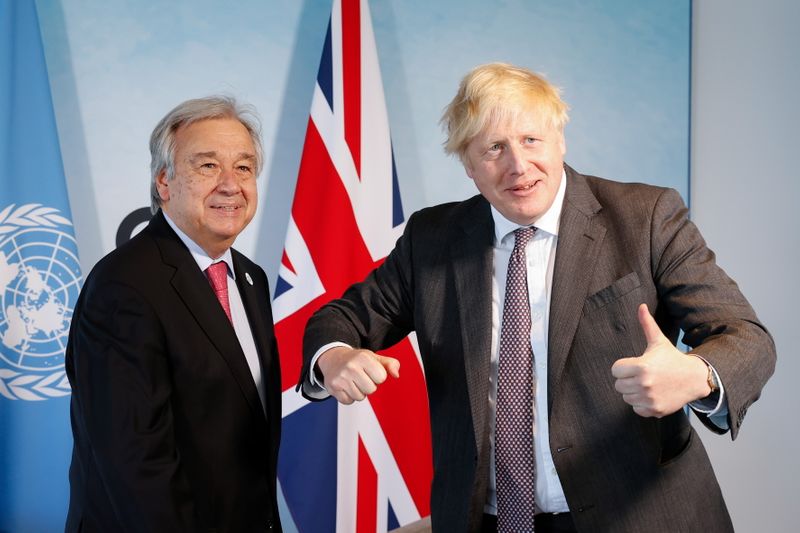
616, 290
676, 438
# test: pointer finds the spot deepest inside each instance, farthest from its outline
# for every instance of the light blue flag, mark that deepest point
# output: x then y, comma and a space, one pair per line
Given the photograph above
40, 279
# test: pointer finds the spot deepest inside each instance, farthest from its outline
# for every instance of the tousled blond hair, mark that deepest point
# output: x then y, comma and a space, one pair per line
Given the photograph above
494, 92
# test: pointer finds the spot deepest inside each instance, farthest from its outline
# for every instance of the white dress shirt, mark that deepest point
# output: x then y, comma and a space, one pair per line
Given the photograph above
241, 325
540, 254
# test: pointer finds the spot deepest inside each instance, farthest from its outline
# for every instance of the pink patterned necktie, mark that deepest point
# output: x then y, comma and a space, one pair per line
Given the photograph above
217, 275
514, 457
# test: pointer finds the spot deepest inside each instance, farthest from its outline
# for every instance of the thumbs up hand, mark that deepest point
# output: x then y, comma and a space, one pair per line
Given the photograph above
661, 380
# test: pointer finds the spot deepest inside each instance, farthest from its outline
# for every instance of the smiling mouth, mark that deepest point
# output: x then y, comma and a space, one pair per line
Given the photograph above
523, 188
227, 208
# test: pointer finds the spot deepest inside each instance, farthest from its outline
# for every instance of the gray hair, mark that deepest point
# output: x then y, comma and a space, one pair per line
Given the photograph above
162, 140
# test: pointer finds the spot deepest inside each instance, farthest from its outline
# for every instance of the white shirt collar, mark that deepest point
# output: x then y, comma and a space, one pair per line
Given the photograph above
202, 259
548, 222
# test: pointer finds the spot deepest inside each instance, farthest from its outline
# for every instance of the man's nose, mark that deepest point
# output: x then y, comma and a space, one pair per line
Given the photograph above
228, 180
517, 162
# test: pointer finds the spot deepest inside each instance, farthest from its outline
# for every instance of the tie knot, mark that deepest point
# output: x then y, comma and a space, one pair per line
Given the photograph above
218, 276
522, 236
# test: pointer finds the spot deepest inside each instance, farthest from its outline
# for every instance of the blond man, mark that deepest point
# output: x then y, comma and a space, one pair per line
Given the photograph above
547, 310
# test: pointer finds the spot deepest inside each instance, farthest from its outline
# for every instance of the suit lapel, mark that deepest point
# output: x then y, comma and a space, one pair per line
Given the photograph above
194, 290
579, 240
472, 260
255, 298
254, 305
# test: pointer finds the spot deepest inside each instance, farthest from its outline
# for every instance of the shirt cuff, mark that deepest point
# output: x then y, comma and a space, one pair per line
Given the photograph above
715, 406
311, 386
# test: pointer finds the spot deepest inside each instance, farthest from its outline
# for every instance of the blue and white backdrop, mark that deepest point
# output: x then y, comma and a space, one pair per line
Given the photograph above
114, 67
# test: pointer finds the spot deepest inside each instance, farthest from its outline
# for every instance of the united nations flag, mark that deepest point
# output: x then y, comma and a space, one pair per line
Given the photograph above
40, 278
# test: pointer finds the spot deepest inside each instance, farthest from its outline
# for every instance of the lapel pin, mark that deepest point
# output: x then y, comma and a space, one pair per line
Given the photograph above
248, 278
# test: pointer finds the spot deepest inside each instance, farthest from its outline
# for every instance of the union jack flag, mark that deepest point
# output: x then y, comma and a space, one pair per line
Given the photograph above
364, 467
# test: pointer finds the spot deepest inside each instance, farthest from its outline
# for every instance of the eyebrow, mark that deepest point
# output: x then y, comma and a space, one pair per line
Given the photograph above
239, 156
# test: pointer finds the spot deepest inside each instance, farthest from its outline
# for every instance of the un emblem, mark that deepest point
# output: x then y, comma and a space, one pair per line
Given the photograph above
40, 278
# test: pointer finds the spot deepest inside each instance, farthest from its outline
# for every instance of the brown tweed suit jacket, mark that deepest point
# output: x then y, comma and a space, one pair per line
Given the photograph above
619, 245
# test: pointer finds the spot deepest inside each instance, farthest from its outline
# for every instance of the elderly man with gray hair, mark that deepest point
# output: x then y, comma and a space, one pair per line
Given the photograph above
172, 358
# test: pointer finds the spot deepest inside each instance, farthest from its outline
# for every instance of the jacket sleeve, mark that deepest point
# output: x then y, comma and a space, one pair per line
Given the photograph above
717, 321
373, 314
121, 391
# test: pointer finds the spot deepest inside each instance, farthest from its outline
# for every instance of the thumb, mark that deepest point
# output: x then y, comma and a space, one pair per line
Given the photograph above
652, 333
391, 365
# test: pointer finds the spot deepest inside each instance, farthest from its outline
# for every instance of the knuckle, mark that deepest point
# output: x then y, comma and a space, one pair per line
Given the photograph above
343, 398
352, 365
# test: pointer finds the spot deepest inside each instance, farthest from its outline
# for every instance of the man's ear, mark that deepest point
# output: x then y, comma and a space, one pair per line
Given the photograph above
162, 185
467, 166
